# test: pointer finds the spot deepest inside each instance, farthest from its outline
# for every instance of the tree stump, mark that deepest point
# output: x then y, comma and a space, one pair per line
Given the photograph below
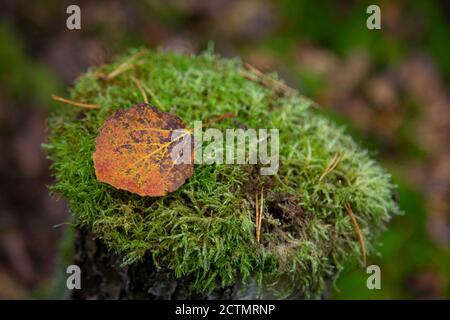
103, 277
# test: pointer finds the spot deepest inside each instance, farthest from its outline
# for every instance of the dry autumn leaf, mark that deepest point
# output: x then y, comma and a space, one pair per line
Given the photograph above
133, 151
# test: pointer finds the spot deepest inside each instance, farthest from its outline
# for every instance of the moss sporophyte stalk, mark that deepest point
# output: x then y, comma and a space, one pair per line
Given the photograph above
325, 205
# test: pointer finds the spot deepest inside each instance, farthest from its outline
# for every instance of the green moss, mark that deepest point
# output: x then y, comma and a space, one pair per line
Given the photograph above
206, 228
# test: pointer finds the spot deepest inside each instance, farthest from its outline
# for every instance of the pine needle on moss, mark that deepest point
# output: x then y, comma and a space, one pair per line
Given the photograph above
75, 103
124, 66
140, 88
358, 231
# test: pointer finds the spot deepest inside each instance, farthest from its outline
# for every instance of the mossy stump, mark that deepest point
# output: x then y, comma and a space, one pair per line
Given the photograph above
323, 209
104, 277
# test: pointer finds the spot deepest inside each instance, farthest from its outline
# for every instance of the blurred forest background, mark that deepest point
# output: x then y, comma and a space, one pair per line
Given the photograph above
390, 87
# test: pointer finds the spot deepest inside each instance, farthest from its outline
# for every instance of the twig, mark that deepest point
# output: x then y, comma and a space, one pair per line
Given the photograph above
331, 166
358, 231
256, 75
278, 85
139, 85
216, 119
258, 230
257, 217
59, 225
154, 97
259, 214
213, 120
75, 103
124, 66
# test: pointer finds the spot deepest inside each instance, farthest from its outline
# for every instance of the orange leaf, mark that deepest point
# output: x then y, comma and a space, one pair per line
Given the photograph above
133, 151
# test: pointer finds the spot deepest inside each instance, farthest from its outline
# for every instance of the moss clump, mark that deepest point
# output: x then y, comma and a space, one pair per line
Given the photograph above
206, 229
